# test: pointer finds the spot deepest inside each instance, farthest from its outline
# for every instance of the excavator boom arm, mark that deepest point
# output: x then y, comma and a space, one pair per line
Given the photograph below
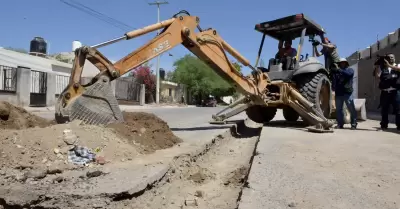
207, 45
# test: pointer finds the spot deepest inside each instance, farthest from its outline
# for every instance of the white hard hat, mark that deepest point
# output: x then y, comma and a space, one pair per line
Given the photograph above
343, 60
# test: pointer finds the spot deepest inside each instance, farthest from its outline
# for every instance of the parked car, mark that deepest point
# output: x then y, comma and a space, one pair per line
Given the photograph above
210, 102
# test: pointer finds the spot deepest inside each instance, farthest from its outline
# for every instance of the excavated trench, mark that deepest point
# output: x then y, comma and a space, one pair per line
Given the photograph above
212, 179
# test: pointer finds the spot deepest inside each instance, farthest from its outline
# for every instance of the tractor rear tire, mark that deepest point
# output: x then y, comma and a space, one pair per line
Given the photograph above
290, 114
316, 88
261, 114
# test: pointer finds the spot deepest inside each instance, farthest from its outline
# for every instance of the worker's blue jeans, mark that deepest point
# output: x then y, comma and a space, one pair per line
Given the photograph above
349, 101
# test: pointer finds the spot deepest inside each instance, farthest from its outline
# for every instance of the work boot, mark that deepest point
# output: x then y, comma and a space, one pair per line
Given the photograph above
382, 128
354, 127
338, 127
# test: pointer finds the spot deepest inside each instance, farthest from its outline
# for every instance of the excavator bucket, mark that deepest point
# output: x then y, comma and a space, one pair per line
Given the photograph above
93, 103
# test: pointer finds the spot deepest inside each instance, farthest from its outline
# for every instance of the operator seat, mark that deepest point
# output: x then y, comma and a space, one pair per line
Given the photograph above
287, 62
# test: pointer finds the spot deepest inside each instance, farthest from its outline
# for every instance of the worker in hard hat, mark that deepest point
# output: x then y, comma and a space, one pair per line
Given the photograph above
343, 87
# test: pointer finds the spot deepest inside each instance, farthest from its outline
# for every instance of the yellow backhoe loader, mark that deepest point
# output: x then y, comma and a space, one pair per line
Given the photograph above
264, 90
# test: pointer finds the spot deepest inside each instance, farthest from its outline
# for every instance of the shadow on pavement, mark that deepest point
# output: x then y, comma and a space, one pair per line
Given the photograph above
210, 127
286, 124
391, 130
358, 129
302, 125
201, 128
241, 130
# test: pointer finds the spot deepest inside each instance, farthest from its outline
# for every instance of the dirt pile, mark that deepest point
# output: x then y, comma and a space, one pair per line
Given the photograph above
39, 143
40, 148
146, 129
13, 117
36, 155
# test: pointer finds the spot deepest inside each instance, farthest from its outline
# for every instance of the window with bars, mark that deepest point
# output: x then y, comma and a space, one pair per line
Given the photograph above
8, 78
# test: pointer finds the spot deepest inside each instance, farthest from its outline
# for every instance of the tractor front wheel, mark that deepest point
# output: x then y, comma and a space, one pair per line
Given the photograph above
261, 114
290, 114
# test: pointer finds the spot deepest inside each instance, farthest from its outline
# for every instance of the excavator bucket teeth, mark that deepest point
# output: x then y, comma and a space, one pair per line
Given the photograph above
215, 122
96, 105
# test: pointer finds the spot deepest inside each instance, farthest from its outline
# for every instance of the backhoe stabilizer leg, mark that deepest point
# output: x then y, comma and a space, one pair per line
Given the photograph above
308, 111
238, 101
221, 119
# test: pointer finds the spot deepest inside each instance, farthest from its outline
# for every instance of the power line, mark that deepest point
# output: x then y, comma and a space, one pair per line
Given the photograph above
99, 15
112, 19
93, 14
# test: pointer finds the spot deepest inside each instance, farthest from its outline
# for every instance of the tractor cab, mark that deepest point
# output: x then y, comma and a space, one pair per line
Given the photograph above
287, 62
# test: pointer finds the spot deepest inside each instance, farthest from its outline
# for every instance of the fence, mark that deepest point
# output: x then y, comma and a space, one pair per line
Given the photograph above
34, 89
61, 83
8, 79
126, 88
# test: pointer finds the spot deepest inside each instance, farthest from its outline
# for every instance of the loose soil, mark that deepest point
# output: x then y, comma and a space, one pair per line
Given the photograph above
13, 117
34, 153
27, 140
35, 172
146, 129
39, 148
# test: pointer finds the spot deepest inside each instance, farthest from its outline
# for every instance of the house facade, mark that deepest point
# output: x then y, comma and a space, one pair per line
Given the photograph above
29, 80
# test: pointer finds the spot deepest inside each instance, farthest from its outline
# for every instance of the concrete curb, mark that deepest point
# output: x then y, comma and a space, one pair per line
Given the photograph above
149, 181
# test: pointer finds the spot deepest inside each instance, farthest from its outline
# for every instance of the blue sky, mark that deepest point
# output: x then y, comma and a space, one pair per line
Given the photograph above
351, 24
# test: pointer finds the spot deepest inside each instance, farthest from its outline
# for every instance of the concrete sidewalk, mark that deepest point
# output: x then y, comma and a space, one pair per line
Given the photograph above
345, 169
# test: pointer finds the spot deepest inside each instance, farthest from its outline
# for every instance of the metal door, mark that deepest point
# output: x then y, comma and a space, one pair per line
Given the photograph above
38, 88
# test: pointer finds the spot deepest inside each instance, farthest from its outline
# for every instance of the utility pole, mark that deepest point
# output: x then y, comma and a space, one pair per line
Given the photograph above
158, 57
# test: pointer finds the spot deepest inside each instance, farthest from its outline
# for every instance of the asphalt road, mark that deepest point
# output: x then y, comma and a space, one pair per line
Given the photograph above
189, 123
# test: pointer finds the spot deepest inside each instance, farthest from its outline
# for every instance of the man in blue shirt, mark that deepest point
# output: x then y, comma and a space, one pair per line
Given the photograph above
343, 87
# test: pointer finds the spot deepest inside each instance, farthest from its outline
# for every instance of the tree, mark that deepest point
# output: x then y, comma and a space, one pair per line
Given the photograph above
61, 58
237, 66
146, 64
144, 76
200, 79
20, 50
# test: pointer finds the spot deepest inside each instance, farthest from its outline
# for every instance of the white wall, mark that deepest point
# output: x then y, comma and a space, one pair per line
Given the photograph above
355, 80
